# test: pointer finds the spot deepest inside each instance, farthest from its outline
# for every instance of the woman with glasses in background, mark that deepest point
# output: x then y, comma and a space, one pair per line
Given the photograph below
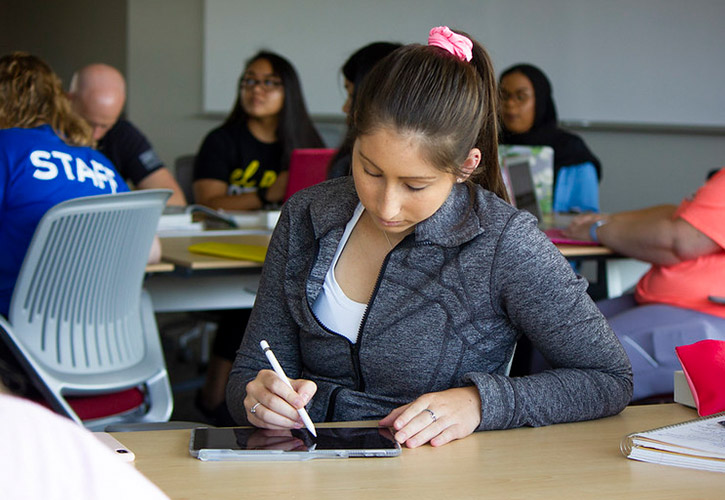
242, 165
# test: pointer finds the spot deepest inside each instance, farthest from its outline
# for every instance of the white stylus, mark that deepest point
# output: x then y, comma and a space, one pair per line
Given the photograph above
280, 372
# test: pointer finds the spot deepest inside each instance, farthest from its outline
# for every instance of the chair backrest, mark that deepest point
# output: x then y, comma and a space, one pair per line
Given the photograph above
184, 172
77, 313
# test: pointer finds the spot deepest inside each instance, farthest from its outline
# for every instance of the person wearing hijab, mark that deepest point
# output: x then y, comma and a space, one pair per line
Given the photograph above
529, 118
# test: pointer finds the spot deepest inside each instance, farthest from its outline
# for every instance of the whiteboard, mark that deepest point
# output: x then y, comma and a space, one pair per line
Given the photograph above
610, 61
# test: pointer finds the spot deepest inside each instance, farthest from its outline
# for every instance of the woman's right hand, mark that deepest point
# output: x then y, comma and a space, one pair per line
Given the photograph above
275, 404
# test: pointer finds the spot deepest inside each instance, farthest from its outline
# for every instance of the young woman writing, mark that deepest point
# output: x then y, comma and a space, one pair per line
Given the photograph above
399, 293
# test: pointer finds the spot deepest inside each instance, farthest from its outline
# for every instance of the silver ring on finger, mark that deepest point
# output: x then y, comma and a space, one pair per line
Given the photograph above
253, 409
432, 415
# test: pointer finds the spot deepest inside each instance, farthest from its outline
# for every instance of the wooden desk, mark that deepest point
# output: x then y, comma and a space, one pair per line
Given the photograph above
176, 251
615, 273
590, 251
160, 267
580, 460
203, 282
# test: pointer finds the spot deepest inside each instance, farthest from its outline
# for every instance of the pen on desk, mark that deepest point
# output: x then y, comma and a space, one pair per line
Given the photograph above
280, 373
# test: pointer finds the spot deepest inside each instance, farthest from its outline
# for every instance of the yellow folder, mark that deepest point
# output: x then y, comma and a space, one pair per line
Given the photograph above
255, 253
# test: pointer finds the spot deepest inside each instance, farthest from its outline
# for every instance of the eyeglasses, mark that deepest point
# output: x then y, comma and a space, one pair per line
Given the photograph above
267, 84
517, 97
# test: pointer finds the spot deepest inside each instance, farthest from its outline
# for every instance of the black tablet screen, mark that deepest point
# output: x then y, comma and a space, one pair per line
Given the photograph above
338, 438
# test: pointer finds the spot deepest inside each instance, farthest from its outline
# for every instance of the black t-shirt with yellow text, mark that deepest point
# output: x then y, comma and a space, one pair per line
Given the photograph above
233, 155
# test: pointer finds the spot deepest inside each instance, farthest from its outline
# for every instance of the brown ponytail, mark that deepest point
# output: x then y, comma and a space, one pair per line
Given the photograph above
489, 174
450, 104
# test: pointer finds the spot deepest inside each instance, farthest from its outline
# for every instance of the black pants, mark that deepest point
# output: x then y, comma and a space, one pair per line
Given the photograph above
232, 324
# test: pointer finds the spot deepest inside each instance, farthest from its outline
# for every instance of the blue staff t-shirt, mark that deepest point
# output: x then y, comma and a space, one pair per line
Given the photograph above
37, 171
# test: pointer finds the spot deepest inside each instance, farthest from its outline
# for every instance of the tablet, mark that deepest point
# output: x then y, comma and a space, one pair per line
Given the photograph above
247, 443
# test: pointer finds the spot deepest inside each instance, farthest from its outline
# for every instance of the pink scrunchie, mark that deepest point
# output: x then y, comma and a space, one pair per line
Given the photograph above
458, 45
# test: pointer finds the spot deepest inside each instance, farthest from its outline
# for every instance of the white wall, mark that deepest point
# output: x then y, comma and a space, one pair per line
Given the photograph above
162, 54
641, 169
609, 61
164, 75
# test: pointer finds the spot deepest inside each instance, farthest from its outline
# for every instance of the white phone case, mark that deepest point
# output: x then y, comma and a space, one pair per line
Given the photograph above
116, 446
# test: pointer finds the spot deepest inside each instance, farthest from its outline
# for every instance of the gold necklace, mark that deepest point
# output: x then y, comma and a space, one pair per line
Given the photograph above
388, 239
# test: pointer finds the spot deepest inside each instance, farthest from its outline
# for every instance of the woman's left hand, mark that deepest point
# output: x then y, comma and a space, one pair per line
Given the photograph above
438, 417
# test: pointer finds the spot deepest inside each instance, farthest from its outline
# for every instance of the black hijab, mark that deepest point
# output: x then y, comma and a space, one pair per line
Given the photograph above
569, 149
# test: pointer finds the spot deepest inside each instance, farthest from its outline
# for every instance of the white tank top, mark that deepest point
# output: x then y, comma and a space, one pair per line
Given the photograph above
333, 308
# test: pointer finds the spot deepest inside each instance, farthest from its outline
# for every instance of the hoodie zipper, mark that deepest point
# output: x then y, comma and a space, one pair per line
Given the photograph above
329, 416
355, 347
355, 350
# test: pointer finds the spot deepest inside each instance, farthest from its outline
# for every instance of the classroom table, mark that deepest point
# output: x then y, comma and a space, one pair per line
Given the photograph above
601, 256
584, 251
160, 267
615, 273
175, 250
203, 282
578, 460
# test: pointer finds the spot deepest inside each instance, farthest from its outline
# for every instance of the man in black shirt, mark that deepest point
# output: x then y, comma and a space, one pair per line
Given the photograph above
98, 94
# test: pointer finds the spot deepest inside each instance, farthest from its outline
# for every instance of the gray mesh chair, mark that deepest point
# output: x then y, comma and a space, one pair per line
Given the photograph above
79, 321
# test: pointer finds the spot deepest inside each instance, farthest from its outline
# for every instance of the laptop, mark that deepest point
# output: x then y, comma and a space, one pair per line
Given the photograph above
307, 167
528, 173
520, 184
525, 176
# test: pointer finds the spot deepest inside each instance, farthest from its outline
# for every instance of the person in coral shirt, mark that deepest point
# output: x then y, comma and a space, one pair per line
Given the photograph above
681, 299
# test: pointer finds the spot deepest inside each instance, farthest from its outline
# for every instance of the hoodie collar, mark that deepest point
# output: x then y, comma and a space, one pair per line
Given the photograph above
454, 223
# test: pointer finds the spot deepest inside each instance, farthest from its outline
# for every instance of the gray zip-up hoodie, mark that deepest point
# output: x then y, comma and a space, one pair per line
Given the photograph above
450, 302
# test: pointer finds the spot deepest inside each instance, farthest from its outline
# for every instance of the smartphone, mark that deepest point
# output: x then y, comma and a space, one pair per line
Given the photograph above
245, 443
117, 447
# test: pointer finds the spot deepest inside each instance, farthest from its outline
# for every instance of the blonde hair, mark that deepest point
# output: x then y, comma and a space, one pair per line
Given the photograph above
31, 95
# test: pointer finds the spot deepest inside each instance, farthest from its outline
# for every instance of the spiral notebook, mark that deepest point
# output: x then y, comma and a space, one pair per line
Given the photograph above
695, 444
